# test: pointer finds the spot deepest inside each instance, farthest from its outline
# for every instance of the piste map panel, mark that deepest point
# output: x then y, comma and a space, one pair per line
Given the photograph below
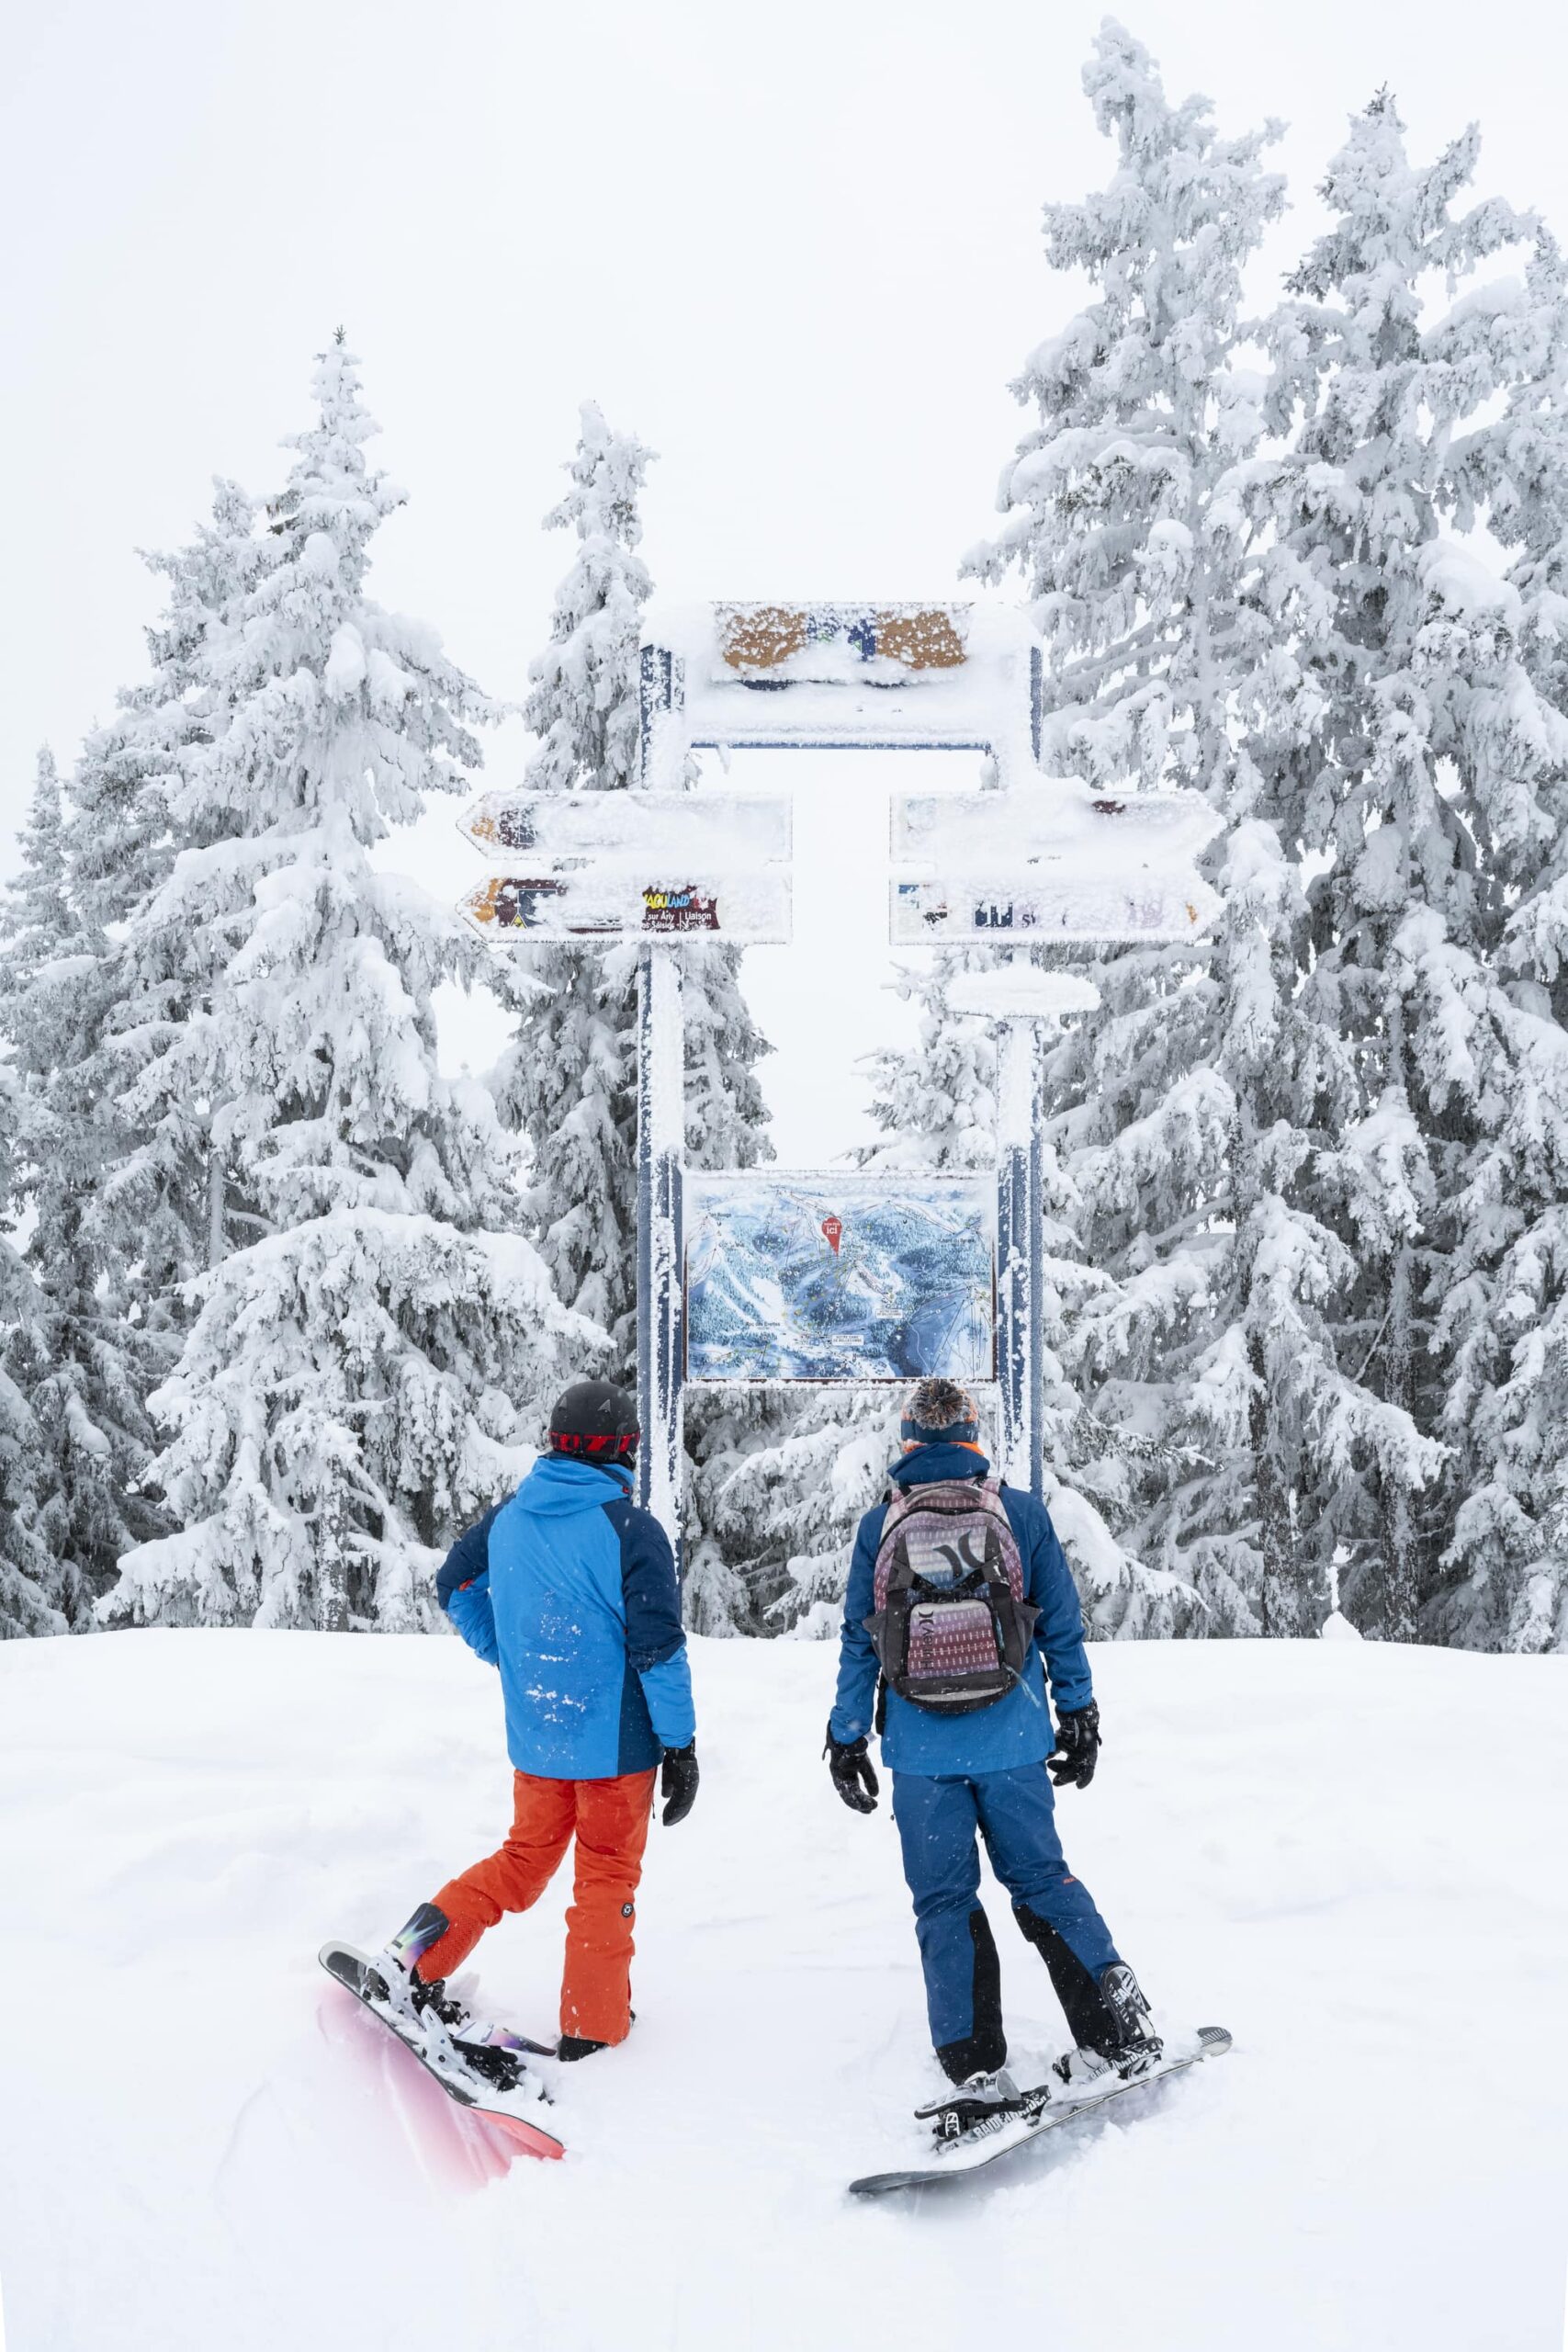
840, 1278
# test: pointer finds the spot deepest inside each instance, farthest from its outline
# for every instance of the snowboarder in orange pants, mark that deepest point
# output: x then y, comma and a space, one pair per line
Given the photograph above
609, 1819
571, 1590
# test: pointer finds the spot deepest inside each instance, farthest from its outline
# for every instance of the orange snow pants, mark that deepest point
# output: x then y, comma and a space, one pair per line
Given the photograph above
609, 1819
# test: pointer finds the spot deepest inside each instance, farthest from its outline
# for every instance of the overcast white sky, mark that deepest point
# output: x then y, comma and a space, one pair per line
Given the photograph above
797, 250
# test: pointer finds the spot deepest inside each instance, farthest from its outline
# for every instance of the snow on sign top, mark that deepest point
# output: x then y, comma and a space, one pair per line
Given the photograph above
726, 830
786, 676
1060, 822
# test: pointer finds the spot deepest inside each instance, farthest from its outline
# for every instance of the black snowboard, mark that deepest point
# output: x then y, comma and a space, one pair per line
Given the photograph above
971, 2156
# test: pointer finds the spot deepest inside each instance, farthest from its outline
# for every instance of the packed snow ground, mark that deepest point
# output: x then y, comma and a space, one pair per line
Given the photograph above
1352, 1856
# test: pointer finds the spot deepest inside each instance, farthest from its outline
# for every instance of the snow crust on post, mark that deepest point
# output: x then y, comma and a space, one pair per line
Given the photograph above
1019, 1252
660, 1147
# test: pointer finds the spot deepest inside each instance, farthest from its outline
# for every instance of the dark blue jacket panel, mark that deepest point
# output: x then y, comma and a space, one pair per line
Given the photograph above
571, 1590
468, 1560
1016, 1730
654, 1631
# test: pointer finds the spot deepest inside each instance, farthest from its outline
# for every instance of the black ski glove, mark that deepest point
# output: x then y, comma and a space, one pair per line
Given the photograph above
1077, 1747
852, 1775
678, 1783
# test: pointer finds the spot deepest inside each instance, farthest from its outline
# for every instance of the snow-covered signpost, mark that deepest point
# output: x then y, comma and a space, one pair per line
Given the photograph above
839, 1279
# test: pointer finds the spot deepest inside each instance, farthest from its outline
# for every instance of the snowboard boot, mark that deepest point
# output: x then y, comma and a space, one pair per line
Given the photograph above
1080, 2069
572, 2046
978, 2106
1131, 2044
396, 1963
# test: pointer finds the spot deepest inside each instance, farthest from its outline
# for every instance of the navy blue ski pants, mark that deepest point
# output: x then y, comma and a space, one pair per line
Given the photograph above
1015, 1813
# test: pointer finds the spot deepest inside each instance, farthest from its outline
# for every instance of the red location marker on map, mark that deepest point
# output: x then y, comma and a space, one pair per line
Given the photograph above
833, 1226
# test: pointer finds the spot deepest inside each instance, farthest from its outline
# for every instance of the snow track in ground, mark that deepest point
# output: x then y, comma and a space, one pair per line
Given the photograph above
1348, 1854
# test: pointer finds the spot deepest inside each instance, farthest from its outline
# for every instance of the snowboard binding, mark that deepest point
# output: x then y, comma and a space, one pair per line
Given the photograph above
447, 2031
980, 2106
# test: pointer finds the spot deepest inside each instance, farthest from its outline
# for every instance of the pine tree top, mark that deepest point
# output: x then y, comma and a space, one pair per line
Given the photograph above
584, 698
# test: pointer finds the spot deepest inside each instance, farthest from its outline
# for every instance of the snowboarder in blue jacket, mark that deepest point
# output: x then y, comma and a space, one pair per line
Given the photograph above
968, 1748
569, 1589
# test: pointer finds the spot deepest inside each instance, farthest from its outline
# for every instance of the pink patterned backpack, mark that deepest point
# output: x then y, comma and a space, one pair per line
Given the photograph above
951, 1627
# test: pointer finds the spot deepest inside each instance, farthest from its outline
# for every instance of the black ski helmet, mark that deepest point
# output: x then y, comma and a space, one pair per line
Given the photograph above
597, 1419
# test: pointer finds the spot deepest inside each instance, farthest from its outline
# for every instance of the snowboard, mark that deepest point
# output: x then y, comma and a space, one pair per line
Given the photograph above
988, 2145
358, 1975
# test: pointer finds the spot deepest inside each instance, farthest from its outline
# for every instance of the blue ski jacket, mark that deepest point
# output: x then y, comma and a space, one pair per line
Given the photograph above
1015, 1730
570, 1589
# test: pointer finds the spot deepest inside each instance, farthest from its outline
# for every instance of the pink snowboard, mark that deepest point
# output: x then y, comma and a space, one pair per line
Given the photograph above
349, 1969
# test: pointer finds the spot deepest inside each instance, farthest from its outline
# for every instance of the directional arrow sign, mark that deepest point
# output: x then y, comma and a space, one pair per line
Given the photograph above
1019, 990
702, 828
597, 866
986, 833
592, 902
1029, 907
1056, 861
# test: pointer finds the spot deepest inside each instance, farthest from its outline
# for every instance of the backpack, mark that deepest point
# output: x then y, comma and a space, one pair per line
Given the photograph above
951, 1627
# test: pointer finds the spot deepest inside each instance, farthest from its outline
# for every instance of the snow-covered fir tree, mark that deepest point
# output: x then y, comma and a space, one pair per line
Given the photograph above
935, 1106
30, 1599
149, 1216
1504, 1325
1183, 1111
121, 1209
376, 1336
1439, 814
87, 1353
784, 1479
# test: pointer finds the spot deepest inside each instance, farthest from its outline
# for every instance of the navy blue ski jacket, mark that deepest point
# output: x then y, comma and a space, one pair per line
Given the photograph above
570, 1589
1017, 1729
